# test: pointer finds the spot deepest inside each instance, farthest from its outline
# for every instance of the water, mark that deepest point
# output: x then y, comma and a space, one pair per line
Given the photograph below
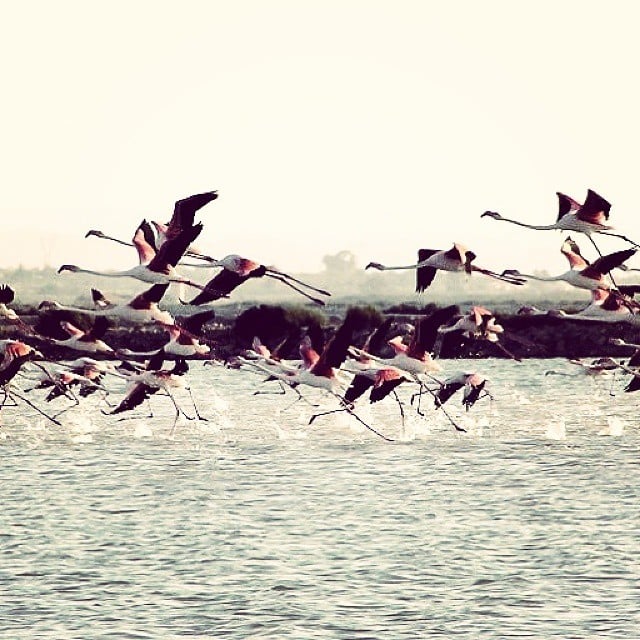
256, 525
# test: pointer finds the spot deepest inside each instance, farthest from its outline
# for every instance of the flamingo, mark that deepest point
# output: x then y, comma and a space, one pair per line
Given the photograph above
582, 274
630, 367
236, 270
85, 373
478, 324
415, 358
142, 309
588, 218
152, 379
7, 296
15, 354
473, 384
160, 267
80, 340
321, 370
381, 380
605, 306
458, 258
596, 367
182, 207
183, 340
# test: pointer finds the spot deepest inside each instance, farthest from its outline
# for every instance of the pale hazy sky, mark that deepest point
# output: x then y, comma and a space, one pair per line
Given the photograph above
378, 127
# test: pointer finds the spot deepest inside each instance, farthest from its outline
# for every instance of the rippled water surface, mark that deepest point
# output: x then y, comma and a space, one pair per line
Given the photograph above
254, 524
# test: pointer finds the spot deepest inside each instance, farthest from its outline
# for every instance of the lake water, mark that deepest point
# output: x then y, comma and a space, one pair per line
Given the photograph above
256, 525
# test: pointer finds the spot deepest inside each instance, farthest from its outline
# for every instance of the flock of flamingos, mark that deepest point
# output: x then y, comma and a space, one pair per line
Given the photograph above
392, 354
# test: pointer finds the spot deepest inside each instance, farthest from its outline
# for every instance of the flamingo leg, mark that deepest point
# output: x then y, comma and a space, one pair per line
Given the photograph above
33, 406
195, 408
300, 282
292, 286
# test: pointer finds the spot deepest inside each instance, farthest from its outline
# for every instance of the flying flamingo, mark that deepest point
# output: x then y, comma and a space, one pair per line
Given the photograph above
581, 274
88, 341
7, 295
379, 379
458, 258
236, 270
596, 367
321, 370
16, 354
472, 383
324, 369
605, 306
588, 218
142, 309
478, 324
632, 368
181, 208
415, 358
154, 378
160, 269
183, 338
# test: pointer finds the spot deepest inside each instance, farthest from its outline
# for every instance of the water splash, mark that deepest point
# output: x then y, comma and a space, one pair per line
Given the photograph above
556, 431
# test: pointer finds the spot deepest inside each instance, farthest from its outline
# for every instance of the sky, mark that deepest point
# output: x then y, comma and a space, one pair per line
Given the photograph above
369, 126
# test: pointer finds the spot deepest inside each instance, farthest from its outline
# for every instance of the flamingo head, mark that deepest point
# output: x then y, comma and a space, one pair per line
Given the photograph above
374, 265
94, 232
68, 267
491, 214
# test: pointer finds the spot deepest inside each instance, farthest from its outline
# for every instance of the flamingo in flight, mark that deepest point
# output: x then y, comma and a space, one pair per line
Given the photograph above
15, 354
596, 367
236, 270
142, 309
152, 379
154, 242
588, 218
7, 296
321, 370
582, 273
472, 383
605, 306
160, 267
415, 358
458, 258
183, 341
378, 379
478, 324
89, 341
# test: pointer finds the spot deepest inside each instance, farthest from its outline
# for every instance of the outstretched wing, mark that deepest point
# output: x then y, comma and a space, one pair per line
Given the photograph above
7, 294
595, 208
136, 395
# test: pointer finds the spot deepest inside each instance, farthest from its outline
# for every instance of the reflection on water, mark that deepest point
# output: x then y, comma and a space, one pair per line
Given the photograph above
256, 525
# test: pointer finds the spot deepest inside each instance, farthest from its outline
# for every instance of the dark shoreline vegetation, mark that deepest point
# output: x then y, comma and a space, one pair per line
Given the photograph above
235, 325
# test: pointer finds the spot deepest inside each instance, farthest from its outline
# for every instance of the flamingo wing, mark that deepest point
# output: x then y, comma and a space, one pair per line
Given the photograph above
606, 263
566, 204
184, 212
146, 250
386, 381
136, 395
173, 249
194, 323
71, 329
220, 286
426, 333
150, 296
98, 329
7, 294
595, 209
358, 386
